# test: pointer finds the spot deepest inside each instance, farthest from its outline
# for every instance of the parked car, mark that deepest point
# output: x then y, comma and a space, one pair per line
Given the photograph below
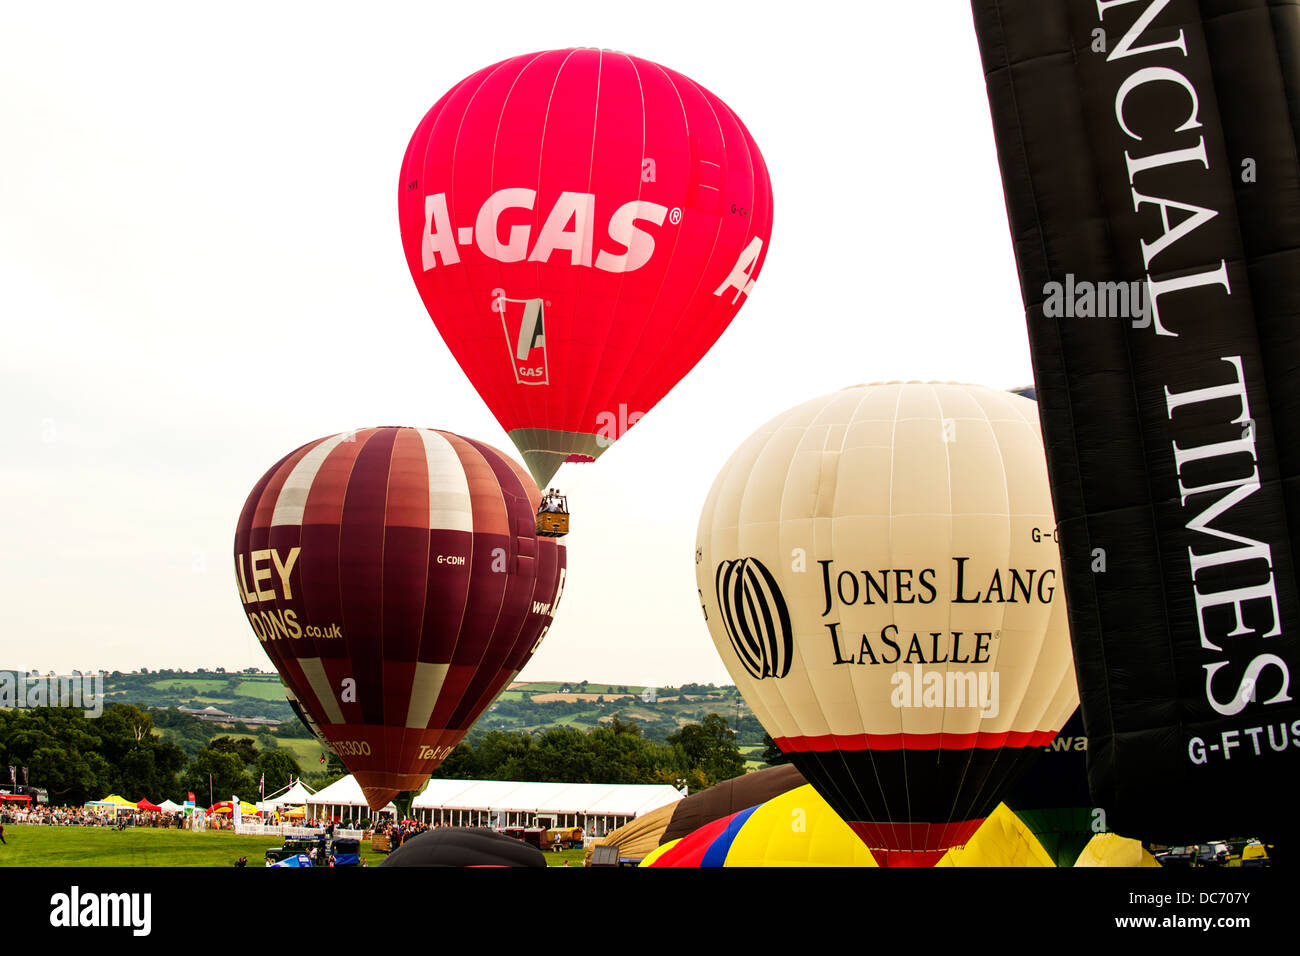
312, 847
1212, 854
1254, 854
1177, 856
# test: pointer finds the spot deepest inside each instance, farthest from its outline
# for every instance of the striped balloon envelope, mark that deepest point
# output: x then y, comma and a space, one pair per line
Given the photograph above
582, 225
396, 580
878, 571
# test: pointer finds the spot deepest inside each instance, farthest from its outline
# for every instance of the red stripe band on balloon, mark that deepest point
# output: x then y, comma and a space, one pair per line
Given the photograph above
913, 844
981, 740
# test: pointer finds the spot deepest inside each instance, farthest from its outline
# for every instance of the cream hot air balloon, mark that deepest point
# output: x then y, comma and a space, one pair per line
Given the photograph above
878, 571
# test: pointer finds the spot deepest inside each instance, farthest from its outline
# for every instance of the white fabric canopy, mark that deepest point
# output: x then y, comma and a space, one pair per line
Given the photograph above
170, 807
295, 796
610, 799
341, 793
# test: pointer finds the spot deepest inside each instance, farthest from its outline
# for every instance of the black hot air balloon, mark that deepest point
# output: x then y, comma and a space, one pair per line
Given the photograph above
1148, 151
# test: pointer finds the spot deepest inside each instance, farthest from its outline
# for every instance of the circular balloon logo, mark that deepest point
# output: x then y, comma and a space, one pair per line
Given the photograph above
755, 617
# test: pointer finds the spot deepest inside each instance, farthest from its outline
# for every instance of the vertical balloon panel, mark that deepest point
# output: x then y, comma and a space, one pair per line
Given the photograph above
1149, 159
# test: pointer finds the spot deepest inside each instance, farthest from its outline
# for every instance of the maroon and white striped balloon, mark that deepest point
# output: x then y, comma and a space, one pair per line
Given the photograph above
395, 578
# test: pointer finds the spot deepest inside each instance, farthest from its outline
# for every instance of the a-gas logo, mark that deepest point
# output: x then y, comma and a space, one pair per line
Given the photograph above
570, 226
755, 616
524, 323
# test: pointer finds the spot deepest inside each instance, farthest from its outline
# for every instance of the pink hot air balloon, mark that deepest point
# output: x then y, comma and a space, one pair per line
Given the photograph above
582, 225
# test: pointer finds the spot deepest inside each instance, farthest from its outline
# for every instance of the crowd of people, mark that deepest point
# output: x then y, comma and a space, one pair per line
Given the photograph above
399, 833
93, 817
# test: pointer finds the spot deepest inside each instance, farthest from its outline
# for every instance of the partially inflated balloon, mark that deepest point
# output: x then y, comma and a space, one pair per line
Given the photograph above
395, 578
795, 828
582, 225
1160, 270
878, 573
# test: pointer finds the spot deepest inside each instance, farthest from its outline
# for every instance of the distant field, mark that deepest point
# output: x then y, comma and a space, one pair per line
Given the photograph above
261, 689
306, 752
585, 698
200, 684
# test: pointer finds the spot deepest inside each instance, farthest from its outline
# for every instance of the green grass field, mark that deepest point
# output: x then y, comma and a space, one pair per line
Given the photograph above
261, 689
304, 749
100, 846
200, 684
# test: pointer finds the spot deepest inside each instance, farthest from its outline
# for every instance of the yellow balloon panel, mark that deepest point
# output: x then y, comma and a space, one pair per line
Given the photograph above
797, 828
1111, 849
1001, 840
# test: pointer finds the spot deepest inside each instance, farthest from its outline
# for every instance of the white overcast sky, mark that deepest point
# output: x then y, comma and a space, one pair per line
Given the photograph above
201, 269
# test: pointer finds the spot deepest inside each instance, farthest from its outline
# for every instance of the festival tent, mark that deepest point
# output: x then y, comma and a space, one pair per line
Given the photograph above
169, 806
595, 807
145, 804
294, 796
226, 807
343, 800
119, 804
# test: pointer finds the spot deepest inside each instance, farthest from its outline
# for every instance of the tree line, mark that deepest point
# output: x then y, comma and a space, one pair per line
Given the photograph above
124, 751
699, 755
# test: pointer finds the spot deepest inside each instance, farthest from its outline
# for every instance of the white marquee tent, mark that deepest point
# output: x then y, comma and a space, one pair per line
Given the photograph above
343, 800
294, 796
598, 808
